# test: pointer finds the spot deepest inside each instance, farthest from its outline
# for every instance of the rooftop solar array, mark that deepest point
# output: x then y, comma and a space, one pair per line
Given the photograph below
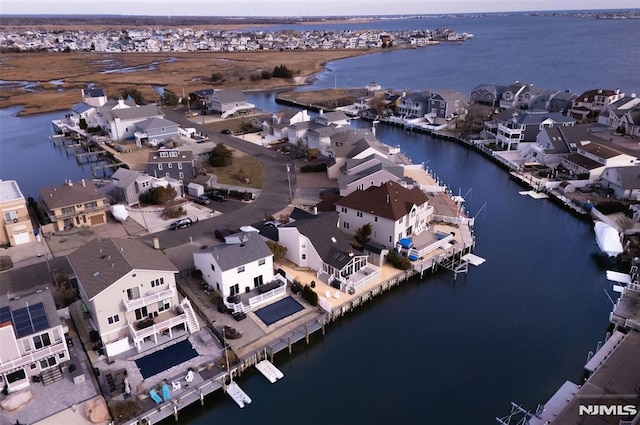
26, 320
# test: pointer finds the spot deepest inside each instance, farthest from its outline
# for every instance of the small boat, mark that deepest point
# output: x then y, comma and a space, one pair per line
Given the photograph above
608, 239
119, 212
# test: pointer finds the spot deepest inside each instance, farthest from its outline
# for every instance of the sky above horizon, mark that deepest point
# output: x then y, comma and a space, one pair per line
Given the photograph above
297, 7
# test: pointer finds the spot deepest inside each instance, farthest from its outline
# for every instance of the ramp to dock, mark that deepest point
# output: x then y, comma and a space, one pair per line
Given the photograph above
239, 396
601, 355
269, 371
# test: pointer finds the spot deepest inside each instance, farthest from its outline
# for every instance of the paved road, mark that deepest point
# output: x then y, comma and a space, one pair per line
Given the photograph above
273, 197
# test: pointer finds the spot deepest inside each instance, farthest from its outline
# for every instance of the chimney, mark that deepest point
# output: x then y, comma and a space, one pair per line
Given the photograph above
156, 243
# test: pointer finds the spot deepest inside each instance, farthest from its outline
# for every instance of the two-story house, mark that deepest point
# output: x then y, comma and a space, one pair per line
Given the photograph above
624, 181
16, 224
129, 290
154, 131
553, 143
511, 94
413, 105
592, 103
524, 126
33, 339
120, 123
615, 113
393, 211
317, 242
127, 185
175, 163
74, 204
486, 94
241, 270
446, 105
229, 102
591, 159
361, 174
280, 121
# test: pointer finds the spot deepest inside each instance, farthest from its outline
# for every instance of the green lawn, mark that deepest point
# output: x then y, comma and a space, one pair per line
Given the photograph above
250, 166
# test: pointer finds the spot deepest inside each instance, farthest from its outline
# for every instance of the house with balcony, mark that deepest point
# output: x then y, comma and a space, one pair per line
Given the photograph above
33, 340
279, 124
553, 143
16, 223
74, 204
413, 105
241, 271
591, 159
154, 131
317, 242
129, 291
83, 112
174, 163
590, 104
119, 122
623, 115
361, 174
512, 94
524, 126
393, 211
228, 102
94, 96
355, 144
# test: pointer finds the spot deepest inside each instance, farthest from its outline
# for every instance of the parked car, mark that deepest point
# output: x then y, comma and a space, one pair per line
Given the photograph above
221, 233
226, 131
216, 196
183, 222
202, 200
273, 223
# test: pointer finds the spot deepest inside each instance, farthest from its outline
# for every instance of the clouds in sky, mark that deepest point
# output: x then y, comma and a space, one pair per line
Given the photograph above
296, 7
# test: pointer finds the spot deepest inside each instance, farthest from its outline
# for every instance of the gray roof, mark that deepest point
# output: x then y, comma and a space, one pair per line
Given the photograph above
140, 112
153, 123
450, 95
71, 193
231, 256
230, 96
348, 179
536, 117
124, 177
333, 116
183, 156
102, 262
629, 177
583, 161
322, 230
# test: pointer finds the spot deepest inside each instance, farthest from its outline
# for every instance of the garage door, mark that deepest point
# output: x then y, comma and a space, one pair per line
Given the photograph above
97, 219
22, 237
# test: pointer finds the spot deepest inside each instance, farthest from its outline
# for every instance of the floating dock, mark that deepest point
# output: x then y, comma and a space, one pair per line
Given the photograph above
269, 371
238, 395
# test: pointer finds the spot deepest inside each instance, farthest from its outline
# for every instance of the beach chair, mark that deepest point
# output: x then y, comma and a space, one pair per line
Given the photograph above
155, 397
176, 385
165, 392
189, 377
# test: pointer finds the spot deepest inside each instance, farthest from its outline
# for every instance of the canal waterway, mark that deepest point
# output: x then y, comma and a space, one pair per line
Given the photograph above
433, 350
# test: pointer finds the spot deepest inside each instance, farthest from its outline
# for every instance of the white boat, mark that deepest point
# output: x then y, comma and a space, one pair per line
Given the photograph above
119, 212
608, 239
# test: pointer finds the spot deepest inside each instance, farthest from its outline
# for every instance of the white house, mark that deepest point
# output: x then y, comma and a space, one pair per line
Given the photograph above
129, 290
625, 181
593, 102
316, 242
393, 211
280, 121
241, 270
120, 124
33, 339
361, 174
592, 159
553, 143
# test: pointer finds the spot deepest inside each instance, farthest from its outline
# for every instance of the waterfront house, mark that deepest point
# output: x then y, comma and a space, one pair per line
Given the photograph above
561, 101
511, 94
393, 211
486, 94
129, 292
174, 163
620, 114
95, 97
154, 131
337, 118
241, 271
592, 103
591, 159
226, 103
83, 115
524, 126
553, 143
317, 242
630, 122
120, 123
16, 223
201, 97
413, 105
624, 181
446, 105
74, 204
127, 186
360, 174
33, 340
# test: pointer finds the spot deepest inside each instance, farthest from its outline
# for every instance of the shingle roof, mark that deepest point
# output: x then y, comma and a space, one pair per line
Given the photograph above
204, 92
183, 156
583, 161
124, 177
142, 112
629, 177
230, 96
153, 123
389, 200
102, 262
71, 193
329, 242
231, 256
601, 151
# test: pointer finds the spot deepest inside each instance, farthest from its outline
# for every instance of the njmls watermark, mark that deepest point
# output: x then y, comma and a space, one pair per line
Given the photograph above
607, 410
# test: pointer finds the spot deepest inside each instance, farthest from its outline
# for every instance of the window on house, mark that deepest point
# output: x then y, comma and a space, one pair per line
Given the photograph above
92, 204
257, 281
167, 174
169, 165
67, 210
32, 366
181, 174
345, 225
133, 293
141, 313
159, 166
164, 305
113, 319
261, 262
359, 213
10, 216
343, 209
26, 344
173, 154
164, 154
179, 165
240, 269
157, 282
213, 267
40, 341
304, 256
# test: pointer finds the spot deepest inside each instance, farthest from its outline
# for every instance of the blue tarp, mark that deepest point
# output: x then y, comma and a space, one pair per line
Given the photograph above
406, 243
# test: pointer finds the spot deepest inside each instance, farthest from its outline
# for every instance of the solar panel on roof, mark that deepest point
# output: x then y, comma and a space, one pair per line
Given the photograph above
30, 319
5, 314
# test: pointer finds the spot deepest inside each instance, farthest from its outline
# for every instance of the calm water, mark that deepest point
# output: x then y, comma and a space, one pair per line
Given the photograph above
435, 351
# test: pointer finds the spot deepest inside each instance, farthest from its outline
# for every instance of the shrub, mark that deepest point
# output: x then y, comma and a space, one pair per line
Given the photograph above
173, 212
611, 207
309, 295
313, 168
398, 261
